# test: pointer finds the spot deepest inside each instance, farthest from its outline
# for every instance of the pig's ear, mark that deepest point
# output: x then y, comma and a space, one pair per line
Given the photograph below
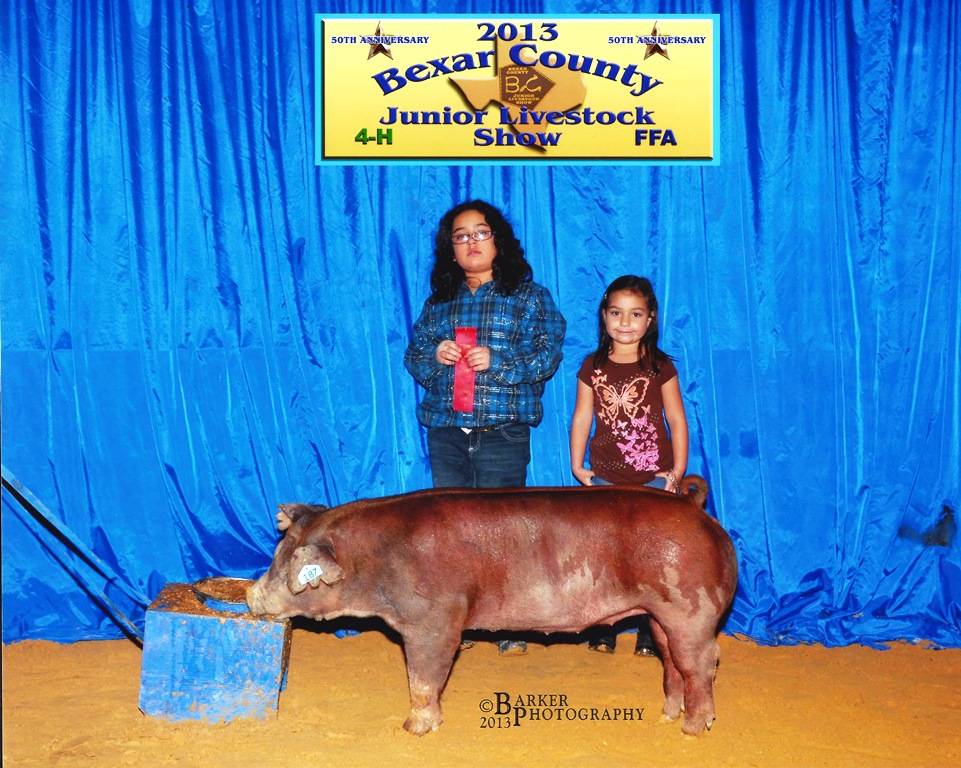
291, 513
310, 565
296, 511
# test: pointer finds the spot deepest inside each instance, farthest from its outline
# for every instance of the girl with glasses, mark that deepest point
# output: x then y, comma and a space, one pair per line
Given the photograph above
482, 284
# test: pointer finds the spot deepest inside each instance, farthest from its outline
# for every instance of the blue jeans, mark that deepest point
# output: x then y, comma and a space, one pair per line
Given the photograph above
657, 482
494, 459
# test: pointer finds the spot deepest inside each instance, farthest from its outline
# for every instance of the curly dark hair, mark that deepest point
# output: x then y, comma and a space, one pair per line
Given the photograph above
649, 354
510, 267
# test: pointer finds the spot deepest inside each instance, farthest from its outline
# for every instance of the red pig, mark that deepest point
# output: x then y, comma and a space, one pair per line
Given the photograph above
434, 563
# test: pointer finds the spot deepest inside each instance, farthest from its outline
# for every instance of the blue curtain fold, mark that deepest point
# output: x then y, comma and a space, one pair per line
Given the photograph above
198, 323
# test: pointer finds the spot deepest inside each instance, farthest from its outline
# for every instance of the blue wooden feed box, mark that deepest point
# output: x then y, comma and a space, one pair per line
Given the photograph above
201, 663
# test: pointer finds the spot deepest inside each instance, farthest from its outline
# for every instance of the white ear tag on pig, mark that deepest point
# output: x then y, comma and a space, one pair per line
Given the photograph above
309, 572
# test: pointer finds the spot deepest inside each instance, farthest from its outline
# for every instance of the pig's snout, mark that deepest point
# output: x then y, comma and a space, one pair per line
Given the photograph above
255, 599
266, 598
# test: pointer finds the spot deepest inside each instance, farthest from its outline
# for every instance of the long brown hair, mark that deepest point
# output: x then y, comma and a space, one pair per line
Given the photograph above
648, 353
510, 268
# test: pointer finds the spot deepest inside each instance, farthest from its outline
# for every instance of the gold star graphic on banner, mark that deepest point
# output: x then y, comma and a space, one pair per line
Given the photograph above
657, 47
376, 48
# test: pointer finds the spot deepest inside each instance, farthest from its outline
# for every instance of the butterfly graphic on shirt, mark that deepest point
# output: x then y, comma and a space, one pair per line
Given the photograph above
625, 400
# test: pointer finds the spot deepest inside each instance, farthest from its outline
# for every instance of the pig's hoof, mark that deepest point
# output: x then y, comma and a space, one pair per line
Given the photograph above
421, 724
672, 711
692, 727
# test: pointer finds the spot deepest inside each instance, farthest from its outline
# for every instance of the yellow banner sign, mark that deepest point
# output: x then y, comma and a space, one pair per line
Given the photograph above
471, 89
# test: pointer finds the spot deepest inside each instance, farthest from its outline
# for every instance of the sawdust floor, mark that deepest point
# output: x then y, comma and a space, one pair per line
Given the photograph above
346, 699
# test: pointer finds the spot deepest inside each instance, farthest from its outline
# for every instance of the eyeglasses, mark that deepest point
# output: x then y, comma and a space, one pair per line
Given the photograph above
478, 237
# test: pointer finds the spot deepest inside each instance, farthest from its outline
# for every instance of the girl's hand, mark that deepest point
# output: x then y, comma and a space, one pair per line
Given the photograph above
671, 483
478, 358
583, 475
448, 352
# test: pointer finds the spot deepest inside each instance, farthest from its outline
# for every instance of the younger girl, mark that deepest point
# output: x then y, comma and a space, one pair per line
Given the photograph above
628, 389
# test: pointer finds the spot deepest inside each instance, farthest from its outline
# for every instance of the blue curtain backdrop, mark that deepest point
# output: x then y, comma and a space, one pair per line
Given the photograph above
198, 323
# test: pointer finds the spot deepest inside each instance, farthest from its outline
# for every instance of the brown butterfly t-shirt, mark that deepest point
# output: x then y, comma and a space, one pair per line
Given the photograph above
631, 442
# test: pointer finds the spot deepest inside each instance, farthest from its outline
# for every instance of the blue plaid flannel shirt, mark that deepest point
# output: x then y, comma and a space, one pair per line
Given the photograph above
524, 332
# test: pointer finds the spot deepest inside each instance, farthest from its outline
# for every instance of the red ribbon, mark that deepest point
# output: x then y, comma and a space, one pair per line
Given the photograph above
465, 338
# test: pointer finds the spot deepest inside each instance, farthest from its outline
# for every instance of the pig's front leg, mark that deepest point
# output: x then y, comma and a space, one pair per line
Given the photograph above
429, 660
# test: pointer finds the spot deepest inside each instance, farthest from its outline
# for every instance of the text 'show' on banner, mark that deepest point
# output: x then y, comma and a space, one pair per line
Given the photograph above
516, 89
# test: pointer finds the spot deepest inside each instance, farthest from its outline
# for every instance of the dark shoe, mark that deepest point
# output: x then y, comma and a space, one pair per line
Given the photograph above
644, 645
645, 639
602, 639
602, 646
512, 647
